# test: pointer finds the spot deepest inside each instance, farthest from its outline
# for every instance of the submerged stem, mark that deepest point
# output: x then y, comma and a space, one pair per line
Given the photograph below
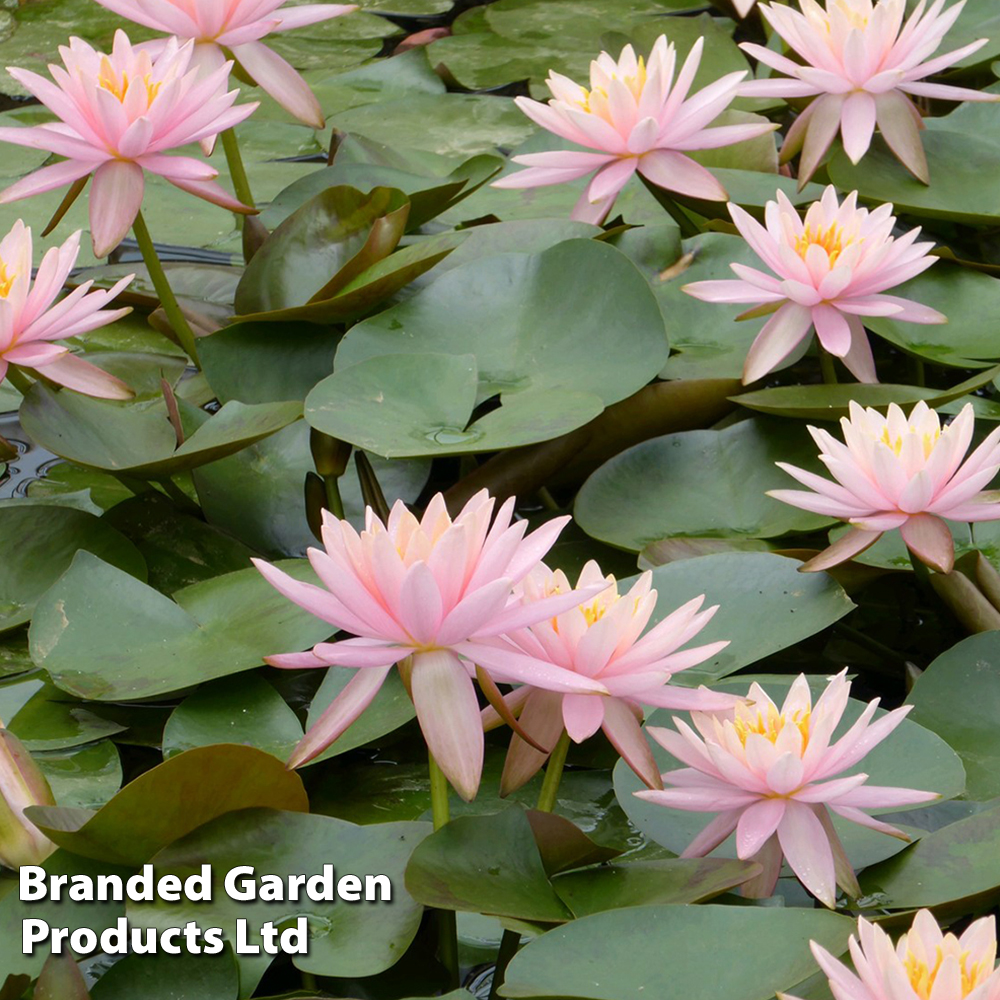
447, 924
180, 325
827, 367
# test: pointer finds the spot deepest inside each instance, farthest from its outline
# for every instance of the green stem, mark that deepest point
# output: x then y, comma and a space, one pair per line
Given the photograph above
19, 380
185, 335
919, 375
922, 573
553, 775
511, 940
309, 982
827, 367
447, 924
238, 173
335, 505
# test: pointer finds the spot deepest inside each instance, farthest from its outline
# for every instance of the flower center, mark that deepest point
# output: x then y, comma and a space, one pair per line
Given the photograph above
109, 80
927, 440
6, 280
595, 100
922, 976
832, 239
770, 726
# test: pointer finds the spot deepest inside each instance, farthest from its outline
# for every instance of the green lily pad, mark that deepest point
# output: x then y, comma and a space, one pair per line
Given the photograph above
165, 977
829, 402
141, 443
249, 712
705, 483
257, 494
169, 801
179, 548
912, 757
413, 405
535, 322
51, 720
82, 777
666, 950
643, 883
958, 697
485, 864
39, 543
322, 246
345, 940
101, 635
960, 861
765, 605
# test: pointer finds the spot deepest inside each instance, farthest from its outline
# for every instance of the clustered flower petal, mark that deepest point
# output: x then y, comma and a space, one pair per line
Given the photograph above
431, 595
31, 319
771, 774
828, 271
893, 472
601, 640
233, 29
22, 784
862, 62
637, 117
119, 115
925, 964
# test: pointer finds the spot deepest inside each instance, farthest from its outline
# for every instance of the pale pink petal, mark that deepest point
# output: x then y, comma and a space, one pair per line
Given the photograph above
281, 80
807, 851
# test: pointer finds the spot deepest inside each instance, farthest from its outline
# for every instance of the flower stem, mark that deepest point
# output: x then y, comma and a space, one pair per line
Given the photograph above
511, 940
921, 572
553, 775
335, 505
447, 925
827, 367
19, 380
180, 326
238, 173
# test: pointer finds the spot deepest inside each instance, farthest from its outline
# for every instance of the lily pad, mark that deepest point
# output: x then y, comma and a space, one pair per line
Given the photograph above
101, 635
664, 950
704, 483
39, 543
51, 720
171, 800
958, 697
165, 977
82, 777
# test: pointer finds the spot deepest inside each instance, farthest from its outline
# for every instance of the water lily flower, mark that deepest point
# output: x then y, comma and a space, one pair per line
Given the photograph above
828, 272
601, 640
770, 774
862, 64
30, 317
22, 784
637, 117
233, 29
893, 472
428, 595
119, 114
925, 964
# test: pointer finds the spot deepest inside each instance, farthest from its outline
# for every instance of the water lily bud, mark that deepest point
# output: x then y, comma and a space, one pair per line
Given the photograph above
22, 784
329, 455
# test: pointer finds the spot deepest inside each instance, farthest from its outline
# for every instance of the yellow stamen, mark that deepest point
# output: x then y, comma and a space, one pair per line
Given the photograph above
770, 727
635, 84
927, 441
922, 976
108, 80
832, 240
6, 280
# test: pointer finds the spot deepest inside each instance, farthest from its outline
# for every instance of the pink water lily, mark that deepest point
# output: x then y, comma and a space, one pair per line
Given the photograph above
893, 472
428, 595
770, 773
30, 317
828, 272
862, 62
925, 964
601, 640
22, 784
233, 29
119, 115
637, 118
